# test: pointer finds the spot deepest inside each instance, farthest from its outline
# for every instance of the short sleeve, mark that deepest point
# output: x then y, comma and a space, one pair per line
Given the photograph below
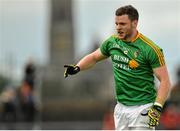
156, 57
105, 48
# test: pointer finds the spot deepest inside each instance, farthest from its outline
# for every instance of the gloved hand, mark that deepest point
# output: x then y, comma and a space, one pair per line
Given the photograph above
154, 115
71, 70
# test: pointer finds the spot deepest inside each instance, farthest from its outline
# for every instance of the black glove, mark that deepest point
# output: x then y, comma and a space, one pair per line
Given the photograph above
71, 70
154, 114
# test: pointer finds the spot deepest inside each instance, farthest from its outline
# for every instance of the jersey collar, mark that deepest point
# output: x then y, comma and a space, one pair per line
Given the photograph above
135, 38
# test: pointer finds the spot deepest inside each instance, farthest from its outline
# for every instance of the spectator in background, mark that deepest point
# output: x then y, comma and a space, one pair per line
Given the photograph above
27, 92
8, 97
30, 74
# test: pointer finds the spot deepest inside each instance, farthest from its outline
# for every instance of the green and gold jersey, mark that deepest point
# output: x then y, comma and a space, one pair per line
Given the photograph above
133, 64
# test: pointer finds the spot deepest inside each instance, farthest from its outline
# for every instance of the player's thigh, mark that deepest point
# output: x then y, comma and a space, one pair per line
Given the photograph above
139, 120
120, 121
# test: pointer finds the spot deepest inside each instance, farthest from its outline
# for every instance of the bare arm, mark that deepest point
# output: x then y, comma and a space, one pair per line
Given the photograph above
162, 74
91, 59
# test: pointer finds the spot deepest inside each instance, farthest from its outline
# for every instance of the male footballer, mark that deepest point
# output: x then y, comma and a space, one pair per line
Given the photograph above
136, 60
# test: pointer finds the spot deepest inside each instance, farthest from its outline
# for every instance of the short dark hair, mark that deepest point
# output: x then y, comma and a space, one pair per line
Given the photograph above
128, 10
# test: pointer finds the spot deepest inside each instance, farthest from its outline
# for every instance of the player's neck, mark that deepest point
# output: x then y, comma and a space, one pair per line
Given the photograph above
133, 36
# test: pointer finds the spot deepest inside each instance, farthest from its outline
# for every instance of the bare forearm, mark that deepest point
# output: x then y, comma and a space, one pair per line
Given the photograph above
87, 62
163, 92
90, 60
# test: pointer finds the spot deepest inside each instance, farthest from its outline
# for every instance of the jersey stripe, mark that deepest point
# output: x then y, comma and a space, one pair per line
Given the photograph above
158, 52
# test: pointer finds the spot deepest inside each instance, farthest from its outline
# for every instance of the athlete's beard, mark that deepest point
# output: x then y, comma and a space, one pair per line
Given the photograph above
128, 34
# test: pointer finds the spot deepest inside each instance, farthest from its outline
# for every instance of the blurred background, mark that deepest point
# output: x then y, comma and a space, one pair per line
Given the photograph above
37, 37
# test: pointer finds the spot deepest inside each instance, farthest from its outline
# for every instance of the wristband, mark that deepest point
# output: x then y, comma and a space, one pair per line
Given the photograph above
158, 104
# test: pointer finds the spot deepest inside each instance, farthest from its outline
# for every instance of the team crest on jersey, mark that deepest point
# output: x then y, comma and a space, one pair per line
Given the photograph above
136, 53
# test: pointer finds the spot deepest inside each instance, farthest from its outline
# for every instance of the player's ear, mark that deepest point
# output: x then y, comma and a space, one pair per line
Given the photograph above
134, 23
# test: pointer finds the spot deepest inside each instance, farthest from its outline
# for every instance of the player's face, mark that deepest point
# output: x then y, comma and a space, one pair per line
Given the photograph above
125, 27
